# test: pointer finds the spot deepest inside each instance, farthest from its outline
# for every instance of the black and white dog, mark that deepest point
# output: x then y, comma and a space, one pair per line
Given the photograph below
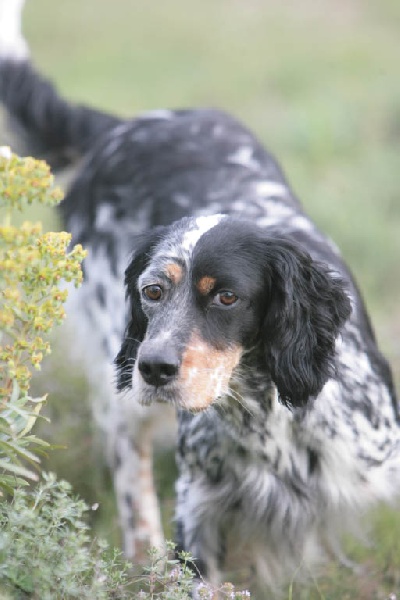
241, 315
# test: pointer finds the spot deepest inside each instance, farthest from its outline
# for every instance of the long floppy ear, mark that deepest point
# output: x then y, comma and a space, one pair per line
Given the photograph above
308, 307
137, 320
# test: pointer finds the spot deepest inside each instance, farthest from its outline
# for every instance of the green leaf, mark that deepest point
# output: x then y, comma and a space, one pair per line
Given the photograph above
21, 451
18, 470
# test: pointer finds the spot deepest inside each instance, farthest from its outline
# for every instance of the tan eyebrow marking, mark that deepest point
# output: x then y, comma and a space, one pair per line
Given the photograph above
205, 285
174, 272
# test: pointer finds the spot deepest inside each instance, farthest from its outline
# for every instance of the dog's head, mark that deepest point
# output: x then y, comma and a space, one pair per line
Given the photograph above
205, 291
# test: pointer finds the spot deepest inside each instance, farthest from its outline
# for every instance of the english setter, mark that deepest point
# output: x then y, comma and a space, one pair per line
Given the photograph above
241, 315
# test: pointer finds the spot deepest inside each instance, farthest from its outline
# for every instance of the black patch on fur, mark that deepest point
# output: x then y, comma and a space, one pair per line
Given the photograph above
294, 305
136, 329
101, 294
50, 127
307, 309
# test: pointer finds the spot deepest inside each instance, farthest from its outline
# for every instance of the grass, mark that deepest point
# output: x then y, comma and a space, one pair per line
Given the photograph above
320, 84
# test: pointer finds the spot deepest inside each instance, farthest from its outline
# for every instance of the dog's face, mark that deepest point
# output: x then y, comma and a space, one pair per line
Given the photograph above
204, 292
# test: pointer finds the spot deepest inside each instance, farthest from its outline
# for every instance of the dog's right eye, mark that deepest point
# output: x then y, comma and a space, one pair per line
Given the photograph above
152, 292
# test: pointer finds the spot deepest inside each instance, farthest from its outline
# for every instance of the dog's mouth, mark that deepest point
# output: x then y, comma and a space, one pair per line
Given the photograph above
175, 394
202, 377
150, 394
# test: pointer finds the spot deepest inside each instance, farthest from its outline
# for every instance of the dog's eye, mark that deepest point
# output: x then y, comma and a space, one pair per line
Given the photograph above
152, 292
225, 298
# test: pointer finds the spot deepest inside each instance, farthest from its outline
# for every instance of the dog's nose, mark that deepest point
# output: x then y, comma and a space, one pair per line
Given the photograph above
158, 369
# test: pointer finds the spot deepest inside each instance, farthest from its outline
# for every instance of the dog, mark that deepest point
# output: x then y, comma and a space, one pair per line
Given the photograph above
240, 314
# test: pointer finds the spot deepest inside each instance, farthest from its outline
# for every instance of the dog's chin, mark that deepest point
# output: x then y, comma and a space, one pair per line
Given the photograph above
171, 394
150, 394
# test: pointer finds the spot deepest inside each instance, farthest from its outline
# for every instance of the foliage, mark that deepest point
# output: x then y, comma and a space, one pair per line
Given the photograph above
173, 579
33, 264
46, 551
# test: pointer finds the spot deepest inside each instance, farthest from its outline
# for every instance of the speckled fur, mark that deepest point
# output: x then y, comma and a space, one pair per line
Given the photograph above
298, 432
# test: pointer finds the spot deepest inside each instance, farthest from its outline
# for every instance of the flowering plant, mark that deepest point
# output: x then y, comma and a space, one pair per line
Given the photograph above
32, 266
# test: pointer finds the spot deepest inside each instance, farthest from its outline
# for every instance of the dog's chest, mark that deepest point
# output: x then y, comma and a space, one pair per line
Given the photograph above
246, 443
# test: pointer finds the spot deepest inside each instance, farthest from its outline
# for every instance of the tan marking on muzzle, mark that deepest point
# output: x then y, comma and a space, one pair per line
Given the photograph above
205, 372
205, 285
174, 272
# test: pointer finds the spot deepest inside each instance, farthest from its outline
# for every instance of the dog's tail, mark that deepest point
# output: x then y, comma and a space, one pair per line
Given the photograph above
49, 127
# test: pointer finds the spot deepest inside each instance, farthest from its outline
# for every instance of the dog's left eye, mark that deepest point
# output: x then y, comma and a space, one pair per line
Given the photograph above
152, 292
225, 298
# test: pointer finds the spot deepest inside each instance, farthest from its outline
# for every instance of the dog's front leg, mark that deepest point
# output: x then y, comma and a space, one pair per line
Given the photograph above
198, 533
137, 501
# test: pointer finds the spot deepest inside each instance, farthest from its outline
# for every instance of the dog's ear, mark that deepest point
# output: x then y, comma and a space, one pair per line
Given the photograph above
307, 307
137, 320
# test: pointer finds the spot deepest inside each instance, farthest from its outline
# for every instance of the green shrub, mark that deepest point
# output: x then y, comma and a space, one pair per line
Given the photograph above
46, 552
33, 264
45, 547
172, 579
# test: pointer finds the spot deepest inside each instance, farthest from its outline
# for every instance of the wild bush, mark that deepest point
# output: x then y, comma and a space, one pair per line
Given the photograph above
33, 264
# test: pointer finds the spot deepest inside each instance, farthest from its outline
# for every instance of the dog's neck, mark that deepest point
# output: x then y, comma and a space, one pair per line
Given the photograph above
252, 399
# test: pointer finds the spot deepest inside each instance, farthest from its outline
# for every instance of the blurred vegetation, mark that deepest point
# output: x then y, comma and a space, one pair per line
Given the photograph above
45, 548
319, 82
31, 303
46, 551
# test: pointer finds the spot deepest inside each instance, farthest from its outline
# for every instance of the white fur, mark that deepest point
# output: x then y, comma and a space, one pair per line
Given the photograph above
12, 42
271, 189
203, 224
244, 157
5, 152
